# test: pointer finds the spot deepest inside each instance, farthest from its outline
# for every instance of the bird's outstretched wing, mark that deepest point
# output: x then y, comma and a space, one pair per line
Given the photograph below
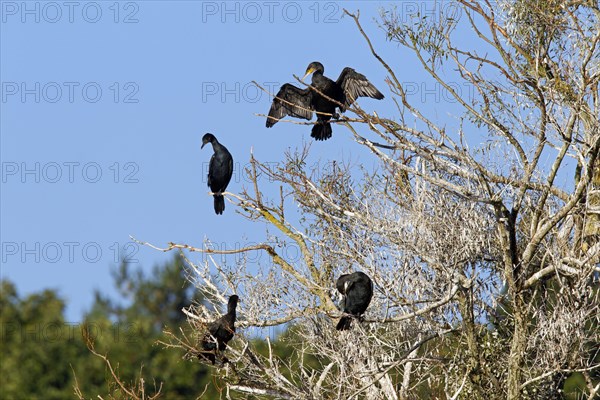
290, 100
356, 85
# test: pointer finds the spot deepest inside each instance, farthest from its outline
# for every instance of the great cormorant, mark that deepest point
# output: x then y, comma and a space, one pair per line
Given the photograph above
220, 170
219, 332
301, 103
357, 289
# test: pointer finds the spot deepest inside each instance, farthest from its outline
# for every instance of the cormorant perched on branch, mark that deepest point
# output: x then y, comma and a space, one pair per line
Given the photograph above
301, 103
219, 332
220, 170
357, 289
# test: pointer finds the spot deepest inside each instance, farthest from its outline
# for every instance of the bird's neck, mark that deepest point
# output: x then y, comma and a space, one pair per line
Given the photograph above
216, 146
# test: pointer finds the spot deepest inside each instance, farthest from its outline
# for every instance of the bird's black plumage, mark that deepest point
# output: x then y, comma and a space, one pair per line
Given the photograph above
220, 170
357, 289
220, 331
300, 103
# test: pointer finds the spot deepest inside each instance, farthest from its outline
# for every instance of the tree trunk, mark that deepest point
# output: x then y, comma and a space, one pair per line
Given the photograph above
517, 349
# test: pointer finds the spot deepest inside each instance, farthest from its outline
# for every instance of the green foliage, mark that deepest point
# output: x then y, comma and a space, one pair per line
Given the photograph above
574, 388
36, 346
41, 353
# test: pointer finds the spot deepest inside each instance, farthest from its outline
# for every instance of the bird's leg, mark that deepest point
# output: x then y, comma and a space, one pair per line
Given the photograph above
335, 115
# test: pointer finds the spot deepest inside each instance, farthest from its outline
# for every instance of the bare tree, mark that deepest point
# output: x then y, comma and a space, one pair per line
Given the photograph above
482, 237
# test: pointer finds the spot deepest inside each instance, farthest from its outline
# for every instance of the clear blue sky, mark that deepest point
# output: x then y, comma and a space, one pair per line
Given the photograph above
104, 105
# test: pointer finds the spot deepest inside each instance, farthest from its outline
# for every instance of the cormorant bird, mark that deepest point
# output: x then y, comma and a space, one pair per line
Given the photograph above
301, 103
357, 289
220, 332
220, 170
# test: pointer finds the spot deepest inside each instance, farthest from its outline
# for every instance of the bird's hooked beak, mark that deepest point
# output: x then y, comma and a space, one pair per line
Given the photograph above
346, 285
203, 143
309, 71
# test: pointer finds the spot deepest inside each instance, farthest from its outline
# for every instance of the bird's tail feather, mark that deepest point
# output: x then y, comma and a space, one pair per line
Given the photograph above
219, 203
321, 131
344, 323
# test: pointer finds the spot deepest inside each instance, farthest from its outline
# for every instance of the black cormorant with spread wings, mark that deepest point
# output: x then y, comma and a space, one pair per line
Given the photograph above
219, 332
357, 289
220, 170
301, 103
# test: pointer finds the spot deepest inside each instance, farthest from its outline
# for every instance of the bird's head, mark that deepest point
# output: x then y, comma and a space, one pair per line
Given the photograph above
341, 283
208, 138
314, 66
